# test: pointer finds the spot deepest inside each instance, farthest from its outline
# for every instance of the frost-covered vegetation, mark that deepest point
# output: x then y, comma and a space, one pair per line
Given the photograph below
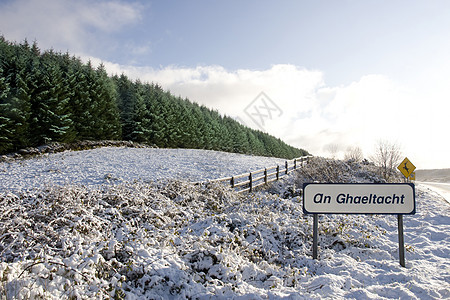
173, 239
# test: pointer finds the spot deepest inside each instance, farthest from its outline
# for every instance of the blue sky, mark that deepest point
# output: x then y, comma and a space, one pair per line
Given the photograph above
345, 73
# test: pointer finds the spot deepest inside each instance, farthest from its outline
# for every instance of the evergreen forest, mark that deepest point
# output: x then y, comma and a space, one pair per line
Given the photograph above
50, 97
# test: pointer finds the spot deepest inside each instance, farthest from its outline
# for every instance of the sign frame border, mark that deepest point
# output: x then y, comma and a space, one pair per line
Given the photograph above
358, 213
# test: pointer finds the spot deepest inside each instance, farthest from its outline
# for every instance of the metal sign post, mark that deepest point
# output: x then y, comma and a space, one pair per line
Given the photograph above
407, 168
359, 198
401, 241
315, 235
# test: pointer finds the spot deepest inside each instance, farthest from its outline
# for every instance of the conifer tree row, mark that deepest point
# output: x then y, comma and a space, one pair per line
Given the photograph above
54, 97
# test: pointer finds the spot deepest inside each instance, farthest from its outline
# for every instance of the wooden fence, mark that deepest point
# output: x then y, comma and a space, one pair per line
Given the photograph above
249, 181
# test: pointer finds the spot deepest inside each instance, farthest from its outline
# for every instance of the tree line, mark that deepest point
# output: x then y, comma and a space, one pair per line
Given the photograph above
47, 97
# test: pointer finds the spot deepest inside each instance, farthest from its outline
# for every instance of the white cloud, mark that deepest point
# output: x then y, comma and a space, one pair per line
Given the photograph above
315, 115
290, 88
372, 108
306, 104
108, 16
64, 24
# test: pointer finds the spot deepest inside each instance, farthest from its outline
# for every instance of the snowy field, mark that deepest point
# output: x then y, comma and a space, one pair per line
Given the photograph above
113, 165
81, 237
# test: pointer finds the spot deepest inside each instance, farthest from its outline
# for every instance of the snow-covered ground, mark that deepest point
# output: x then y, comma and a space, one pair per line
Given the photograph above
441, 188
96, 167
136, 239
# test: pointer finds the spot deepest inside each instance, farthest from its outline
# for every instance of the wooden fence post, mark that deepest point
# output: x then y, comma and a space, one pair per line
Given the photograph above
234, 180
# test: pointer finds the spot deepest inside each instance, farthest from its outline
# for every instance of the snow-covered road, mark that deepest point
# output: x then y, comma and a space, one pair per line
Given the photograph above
441, 188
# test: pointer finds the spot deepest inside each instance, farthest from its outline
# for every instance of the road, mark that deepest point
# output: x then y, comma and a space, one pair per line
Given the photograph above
442, 188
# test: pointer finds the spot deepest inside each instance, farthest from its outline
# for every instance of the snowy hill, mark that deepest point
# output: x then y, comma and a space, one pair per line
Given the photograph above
114, 165
434, 175
92, 236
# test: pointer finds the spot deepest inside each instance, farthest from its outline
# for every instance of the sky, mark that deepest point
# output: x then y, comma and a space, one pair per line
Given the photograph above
321, 75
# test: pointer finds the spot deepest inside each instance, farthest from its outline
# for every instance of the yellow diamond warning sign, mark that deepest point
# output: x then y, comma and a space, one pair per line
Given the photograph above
406, 167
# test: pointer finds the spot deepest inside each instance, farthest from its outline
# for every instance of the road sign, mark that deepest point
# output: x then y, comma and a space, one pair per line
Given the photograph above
406, 167
412, 176
359, 198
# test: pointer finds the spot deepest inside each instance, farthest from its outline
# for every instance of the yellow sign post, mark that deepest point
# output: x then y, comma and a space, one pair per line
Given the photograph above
406, 167
412, 177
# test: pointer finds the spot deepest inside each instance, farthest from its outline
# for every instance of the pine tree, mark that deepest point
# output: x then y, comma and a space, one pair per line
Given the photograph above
140, 116
158, 108
79, 103
239, 137
51, 120
105, 110
185, 123
126, 104
91, 106
6, 123
197, 138
17, 105
256, 146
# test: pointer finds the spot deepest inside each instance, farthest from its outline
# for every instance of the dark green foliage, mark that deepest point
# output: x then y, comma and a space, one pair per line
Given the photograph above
50, 118
105, 110
5, 120
53, 97
15, 105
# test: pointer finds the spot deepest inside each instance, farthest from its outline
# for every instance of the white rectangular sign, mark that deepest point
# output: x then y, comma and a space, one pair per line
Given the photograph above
359, 198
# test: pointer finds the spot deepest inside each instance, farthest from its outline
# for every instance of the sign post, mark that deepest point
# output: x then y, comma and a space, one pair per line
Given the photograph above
315, 235
401, 241
407, 168
359, 198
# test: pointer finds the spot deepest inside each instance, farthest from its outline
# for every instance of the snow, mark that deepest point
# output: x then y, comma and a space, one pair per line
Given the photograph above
441, 188
139, 237
116, 165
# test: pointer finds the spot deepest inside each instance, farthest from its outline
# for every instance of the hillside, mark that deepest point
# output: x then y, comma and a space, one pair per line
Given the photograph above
433, 175
123, 165
170, 239
52, 97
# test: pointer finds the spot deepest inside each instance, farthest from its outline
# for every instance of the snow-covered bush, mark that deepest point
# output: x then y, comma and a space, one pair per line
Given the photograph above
167, 240
321, 169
